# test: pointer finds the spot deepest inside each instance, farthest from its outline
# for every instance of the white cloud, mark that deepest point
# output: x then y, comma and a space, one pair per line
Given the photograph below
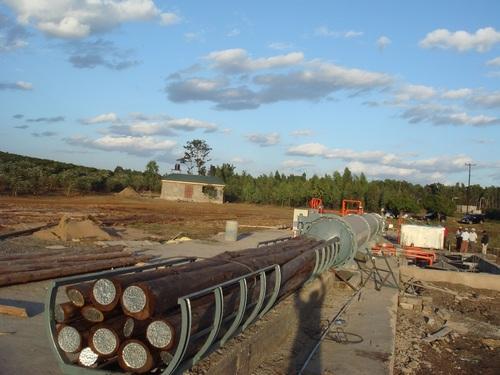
310, 80
141, 146
302, 133
19, 85
308, 149
233, 32
138, 124
415, 92
383, 42
457, 94
325, 31
167, 19
380, 163
487, 100
295, 163
99, 119
194, 36
238, 61
72, 19
482, 40
12, 35
494, 62
280, 46
264, 140
437, 114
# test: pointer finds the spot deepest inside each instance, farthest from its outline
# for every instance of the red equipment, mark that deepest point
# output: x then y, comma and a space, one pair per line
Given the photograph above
349, 206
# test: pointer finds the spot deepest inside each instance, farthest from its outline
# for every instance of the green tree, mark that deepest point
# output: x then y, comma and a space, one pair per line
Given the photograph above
152, 177
196, 156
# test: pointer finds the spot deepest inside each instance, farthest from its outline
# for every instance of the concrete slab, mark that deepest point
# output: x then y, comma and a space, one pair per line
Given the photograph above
24, 349
473, 280
370, 326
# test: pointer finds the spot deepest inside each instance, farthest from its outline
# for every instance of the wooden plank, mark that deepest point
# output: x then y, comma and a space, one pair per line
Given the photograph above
25, 231
13, 311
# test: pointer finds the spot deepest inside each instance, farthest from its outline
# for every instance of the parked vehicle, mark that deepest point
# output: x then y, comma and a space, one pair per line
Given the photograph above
472, 219
430, 216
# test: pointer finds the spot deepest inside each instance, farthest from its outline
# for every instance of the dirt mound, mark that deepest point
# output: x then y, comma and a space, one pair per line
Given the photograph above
70, 229
129, 192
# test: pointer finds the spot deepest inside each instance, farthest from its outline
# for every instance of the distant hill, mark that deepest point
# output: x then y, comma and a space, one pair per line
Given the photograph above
27, 175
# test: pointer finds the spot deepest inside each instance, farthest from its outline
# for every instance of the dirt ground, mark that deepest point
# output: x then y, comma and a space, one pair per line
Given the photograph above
472, 347
159, 218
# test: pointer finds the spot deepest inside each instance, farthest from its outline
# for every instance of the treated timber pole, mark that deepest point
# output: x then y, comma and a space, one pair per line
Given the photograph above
28, 276
163, 332
105, 338
106, 292
44, 253
155, 297
65, 312
60, 262
135, 356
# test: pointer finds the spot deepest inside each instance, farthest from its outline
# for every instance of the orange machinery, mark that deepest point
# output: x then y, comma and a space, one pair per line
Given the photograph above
349, 206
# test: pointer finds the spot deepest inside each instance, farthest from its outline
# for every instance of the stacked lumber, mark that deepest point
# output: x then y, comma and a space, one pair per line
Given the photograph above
133, 320
28, 267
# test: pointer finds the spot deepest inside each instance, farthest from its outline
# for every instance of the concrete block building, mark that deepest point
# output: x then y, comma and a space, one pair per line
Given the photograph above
192, 188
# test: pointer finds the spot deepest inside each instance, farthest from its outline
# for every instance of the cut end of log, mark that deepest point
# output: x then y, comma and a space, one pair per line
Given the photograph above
160, 334
104, 292
69, 339
76, 297
87, 357
134, 299
135, 356
128, 327
92, 314
105, 341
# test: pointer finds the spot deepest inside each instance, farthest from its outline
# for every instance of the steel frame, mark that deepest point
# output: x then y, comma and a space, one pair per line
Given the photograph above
325, 255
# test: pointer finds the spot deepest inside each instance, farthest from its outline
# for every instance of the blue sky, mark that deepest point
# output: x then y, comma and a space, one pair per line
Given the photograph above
405, 90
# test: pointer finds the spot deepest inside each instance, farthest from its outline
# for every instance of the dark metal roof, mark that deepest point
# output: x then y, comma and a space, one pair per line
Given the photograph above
208, 180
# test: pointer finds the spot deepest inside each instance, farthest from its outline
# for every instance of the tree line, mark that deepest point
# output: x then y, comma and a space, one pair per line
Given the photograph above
21, 175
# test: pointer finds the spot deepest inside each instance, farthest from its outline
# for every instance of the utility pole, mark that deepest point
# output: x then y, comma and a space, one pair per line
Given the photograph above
469, 165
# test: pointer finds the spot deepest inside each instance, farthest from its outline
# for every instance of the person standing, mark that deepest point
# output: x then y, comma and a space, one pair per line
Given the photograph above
465, 241
484, 242
458, 239
472, 240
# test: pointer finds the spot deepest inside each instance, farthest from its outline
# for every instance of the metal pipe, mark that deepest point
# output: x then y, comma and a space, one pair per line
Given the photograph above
352, 232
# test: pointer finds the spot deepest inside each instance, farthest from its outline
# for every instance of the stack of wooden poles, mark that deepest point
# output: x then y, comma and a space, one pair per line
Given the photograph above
49, 264
134, 320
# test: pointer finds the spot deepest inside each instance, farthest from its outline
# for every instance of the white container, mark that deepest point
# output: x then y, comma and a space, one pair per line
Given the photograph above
231, 233
422, 236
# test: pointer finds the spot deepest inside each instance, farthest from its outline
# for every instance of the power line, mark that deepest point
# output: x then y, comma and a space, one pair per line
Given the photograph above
469, 165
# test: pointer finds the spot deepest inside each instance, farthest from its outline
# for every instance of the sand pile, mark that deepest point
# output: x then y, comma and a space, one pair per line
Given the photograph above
70, 229
129, 192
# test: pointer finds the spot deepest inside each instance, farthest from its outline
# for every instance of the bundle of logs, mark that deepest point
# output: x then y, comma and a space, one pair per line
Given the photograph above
49, 264
133, 320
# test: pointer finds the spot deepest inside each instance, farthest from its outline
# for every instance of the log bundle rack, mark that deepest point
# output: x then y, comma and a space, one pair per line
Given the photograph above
256, 293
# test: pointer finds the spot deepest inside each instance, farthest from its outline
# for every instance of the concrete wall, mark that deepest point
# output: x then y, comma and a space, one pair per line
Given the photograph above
473, 280
176, 191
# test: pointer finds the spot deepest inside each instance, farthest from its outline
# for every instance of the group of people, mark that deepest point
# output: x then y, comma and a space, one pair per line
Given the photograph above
466, 240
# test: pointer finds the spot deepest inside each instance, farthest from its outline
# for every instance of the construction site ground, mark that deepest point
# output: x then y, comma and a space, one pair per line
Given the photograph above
141, 218
382, 335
